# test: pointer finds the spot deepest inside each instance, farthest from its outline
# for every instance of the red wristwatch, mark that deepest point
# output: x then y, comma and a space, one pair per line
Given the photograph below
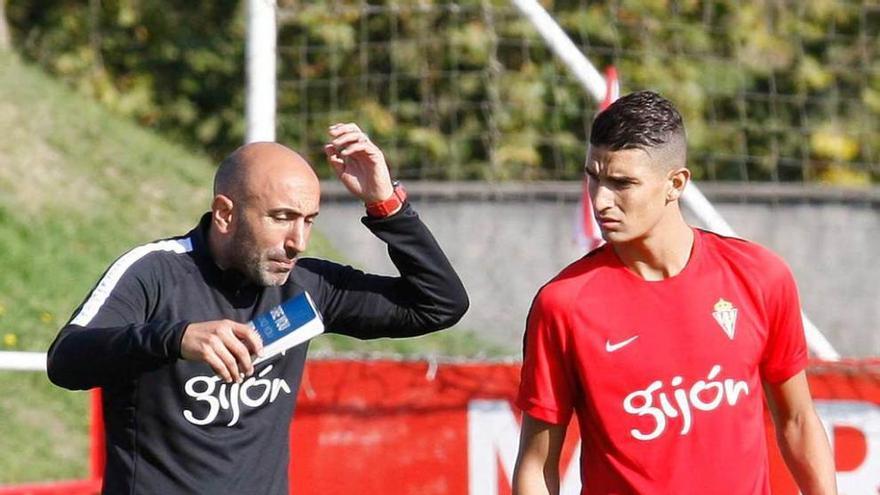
381, 209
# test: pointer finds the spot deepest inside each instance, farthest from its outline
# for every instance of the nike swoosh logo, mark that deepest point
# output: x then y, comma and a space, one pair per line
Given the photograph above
620, 345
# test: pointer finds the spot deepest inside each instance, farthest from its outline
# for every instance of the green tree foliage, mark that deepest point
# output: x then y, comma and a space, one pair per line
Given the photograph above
782, 90
173, 66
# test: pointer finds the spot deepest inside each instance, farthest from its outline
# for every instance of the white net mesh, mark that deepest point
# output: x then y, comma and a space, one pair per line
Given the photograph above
774, 93
770, 90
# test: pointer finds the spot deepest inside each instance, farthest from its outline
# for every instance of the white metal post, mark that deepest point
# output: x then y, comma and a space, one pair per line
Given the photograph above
590, 78
261, 73
22, 361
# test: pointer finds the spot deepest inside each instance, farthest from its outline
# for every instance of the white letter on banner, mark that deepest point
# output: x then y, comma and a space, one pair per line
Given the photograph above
493, 434
492, 431
571, 478
865, 417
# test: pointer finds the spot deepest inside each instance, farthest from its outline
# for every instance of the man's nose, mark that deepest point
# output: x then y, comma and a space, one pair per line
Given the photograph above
296, 240
601, 195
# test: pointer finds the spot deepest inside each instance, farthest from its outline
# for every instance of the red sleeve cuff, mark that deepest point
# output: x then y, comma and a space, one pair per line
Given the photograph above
542, 413
780, 374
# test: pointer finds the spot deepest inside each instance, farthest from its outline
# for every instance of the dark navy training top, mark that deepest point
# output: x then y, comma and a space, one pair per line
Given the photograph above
172, 426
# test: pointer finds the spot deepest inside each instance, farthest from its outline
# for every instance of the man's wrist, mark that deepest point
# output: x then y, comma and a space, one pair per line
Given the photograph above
390, 206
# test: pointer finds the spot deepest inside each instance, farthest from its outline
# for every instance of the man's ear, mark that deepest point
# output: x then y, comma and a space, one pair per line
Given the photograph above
222, 213
677, 180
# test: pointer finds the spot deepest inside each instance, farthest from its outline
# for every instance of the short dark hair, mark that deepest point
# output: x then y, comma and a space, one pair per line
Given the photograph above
643, 119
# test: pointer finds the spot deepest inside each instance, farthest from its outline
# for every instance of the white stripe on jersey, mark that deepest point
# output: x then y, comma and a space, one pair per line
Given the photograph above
114, 274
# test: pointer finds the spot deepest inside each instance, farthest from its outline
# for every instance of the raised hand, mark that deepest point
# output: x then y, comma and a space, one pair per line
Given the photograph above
226, 346
358, 163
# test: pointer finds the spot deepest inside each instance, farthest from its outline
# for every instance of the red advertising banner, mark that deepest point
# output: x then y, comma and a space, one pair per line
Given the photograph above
413, 428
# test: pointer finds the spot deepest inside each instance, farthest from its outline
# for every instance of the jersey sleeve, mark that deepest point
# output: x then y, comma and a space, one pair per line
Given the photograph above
110, 337
426, 297
546, 387
786, 351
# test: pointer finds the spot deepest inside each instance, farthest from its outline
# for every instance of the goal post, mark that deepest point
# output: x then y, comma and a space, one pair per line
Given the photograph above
261, 53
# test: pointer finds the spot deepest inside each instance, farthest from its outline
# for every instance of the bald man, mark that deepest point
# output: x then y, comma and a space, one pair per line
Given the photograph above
165, 333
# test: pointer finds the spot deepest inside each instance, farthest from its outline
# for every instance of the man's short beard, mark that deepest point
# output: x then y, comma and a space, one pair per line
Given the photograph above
248, 259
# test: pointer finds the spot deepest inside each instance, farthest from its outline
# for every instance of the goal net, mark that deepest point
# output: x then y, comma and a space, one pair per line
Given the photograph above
770, 90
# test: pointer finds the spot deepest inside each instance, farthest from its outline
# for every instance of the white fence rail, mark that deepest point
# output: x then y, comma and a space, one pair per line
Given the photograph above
22, 361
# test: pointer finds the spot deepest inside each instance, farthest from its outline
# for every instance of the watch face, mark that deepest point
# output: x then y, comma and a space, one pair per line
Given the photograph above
399, 191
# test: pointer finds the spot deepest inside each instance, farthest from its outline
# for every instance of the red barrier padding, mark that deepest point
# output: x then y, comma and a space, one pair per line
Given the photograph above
97, 452
397, 427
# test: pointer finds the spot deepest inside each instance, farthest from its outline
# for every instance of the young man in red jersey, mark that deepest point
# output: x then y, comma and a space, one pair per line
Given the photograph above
662, 340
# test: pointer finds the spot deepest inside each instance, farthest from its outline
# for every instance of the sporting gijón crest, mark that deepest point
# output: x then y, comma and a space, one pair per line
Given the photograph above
724, 313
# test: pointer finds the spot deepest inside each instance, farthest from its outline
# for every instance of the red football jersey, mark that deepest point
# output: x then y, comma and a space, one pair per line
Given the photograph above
665, 376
